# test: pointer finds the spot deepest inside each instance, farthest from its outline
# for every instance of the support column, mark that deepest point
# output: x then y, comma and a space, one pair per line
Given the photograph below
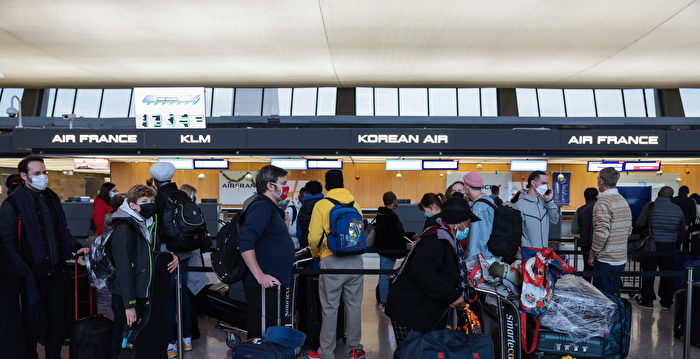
669, 103
507, 102
345, 101
31, 102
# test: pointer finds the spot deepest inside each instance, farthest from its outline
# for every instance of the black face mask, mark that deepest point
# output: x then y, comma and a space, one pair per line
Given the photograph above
147, 210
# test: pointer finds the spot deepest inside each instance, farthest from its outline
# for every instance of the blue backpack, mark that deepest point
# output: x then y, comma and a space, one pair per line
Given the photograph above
347, 230
618, 344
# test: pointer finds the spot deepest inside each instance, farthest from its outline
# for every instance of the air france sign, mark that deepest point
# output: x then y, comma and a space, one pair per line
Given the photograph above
95, 138
613, 140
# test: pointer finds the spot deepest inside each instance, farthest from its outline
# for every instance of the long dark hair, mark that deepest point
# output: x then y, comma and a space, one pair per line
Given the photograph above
104, 191
431, 199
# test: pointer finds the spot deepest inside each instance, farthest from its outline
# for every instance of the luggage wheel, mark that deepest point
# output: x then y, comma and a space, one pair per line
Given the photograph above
232, 340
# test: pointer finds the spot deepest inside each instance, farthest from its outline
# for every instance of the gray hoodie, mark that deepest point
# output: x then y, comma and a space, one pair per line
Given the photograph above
537, 215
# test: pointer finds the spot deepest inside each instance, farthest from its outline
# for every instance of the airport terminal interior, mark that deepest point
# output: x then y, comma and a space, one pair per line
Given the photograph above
402, 96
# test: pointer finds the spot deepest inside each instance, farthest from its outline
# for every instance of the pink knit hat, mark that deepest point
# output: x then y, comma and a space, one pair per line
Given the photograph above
473, 179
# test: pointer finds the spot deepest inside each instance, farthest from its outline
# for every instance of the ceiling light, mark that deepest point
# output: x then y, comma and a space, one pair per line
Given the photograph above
2, 76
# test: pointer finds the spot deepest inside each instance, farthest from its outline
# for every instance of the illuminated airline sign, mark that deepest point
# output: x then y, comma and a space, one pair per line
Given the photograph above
596, 166
648, 166
94, 138
399, 139
613, 140
336, 164
528, 165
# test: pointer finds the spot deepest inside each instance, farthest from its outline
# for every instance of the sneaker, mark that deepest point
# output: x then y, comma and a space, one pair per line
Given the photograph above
313, 355
172, 349
187, 344
357, 354
645, 305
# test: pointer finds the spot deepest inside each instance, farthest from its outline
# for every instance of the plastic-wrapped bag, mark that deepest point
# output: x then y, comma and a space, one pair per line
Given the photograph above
579, 309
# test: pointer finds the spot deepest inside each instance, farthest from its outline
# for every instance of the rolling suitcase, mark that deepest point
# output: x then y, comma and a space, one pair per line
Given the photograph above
679, 315
618, 342
310, 313
258, 348
91, 337
551, 345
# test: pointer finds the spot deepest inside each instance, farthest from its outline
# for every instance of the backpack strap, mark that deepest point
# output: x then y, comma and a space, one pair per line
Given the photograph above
484, 200
12, 202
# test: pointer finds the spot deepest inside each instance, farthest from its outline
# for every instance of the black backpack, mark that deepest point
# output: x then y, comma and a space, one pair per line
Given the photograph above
226, 260
506, 233
183, 228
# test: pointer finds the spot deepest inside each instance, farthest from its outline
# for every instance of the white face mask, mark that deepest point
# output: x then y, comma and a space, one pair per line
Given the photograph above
40, 182
541, 189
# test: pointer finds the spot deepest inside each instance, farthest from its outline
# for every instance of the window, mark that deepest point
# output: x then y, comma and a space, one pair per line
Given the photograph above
489, 102
49, 104
527, 102
609, 103
691, 101
413, 102
442, 102
650, 96
277, 101
222, 102
386, 102
248, 102
304, 101
64, 102
115, 103
579, 103
326, 101
469, 102
634, 103
207, 100
551, 102
364, 101
87, 103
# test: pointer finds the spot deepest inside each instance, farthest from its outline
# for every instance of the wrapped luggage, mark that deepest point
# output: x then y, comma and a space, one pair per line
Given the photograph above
579, 309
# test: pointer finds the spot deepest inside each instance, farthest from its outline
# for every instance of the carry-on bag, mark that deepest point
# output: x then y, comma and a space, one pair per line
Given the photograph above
310, 316
262, 348
679, 315
618, 343
91, 337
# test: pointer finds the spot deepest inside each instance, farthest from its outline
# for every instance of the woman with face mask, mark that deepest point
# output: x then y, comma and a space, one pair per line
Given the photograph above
538, 210
101, 206
431, 206
429, 281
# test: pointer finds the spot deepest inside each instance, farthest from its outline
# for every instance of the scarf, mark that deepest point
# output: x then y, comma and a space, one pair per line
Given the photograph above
30, 223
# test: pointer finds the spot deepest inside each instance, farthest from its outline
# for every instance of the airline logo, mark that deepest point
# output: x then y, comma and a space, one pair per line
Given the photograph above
614, 140
94, 138
195, 139
398, 139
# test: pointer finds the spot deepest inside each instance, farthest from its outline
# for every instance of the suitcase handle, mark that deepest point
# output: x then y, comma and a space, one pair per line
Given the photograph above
75, 289
264, 302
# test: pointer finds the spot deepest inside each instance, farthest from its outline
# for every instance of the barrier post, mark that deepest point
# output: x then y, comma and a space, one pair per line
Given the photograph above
178, 299
688, 313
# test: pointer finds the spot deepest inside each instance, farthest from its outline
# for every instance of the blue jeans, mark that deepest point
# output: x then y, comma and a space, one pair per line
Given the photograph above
384, 263
171, 311
607, 284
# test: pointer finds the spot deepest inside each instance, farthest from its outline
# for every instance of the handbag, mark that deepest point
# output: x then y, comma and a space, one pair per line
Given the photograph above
445, 343
645, 244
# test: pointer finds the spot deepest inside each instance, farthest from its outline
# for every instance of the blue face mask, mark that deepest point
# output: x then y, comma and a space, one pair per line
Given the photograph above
462, 234
427, 215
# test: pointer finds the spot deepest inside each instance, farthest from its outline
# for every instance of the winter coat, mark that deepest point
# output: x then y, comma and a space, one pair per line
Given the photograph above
133, 245
320, 221
667, 219
537, 215
99, 209
389, 233
583, 224
307, 207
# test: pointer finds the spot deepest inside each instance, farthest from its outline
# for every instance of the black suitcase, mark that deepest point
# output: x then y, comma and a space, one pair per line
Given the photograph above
91, 337
551, 344
227, 304
310, 313
84, 294
679, 315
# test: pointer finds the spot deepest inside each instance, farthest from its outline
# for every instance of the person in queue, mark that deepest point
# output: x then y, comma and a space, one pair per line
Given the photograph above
292, 212
12, 182
314, 193
612, 226
332, 286
431, 205
266, 247
537, 207
483, 207
101, 206
429, 279
686, 204
41, 247
583, 226
391, 236
669, 223
456, 187
134, 245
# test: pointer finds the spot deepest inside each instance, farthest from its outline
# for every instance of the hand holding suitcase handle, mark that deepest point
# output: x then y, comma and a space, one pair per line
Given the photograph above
264, 302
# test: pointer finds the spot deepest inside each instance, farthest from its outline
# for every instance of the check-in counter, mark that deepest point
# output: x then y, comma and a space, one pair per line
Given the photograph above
78, 216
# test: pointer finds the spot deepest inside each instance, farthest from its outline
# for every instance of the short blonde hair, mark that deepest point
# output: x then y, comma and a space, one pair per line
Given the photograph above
188, 189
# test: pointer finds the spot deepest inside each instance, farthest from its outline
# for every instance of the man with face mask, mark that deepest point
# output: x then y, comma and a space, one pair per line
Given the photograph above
134, 246
35, 235
538, 210
266, 247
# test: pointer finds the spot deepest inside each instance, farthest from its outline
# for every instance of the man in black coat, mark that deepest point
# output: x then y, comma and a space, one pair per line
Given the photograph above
389, 236
583, 225
314, 193
687, 205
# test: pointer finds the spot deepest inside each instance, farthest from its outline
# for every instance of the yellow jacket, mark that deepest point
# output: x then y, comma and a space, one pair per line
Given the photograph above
320, 223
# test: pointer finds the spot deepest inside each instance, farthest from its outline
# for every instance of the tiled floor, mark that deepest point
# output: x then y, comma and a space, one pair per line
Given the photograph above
651, 332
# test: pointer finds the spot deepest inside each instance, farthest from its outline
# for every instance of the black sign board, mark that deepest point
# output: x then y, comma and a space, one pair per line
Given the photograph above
685, 140
225, 139
298, 138
612, 140
6, 144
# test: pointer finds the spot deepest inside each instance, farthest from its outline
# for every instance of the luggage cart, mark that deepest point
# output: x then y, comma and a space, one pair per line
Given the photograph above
631, 285
501, 322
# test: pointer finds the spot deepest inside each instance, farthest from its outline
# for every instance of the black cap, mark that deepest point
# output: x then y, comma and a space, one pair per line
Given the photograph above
456, 210
334, 179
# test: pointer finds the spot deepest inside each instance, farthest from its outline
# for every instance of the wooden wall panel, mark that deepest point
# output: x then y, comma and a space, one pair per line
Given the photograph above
374, 180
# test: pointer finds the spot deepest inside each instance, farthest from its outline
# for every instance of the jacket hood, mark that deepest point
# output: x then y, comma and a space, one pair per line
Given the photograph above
308, 197
526, 196
385, 211
125, 212
341, 195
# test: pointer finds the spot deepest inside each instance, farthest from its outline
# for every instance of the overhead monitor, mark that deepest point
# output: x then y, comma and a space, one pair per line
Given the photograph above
596, 166
90, 163
169, 107
450, 165
528, 165
325, 164
404, 165
179, 163
642, 166
289, 163
211, 164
